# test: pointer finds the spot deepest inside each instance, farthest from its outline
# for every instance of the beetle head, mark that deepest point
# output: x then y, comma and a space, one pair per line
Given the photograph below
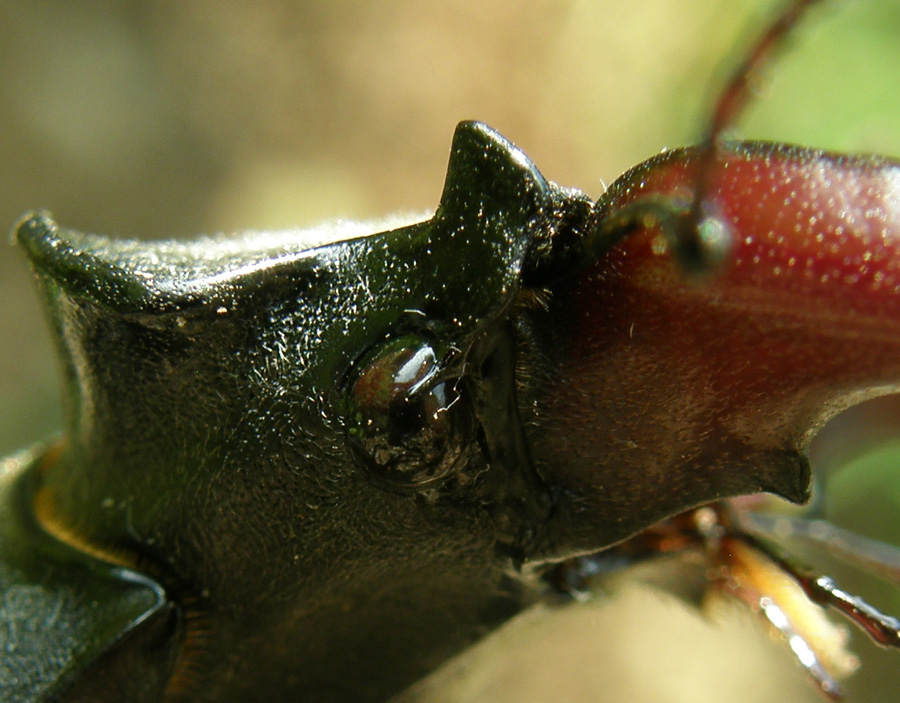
309, 445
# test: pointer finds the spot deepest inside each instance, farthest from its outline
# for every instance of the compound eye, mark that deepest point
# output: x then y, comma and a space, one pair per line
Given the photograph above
406, 419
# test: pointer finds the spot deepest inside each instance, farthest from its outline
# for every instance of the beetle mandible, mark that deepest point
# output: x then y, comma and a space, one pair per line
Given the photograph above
160, 322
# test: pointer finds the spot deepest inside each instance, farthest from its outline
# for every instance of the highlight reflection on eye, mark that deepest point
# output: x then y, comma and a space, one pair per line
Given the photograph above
404, 417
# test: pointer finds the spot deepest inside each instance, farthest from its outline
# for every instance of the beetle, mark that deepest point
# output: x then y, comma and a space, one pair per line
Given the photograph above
146, 329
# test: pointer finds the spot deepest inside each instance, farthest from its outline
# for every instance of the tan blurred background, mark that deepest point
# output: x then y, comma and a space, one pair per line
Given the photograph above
165, 118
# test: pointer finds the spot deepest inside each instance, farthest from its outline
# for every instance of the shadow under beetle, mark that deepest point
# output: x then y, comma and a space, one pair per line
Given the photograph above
315, 467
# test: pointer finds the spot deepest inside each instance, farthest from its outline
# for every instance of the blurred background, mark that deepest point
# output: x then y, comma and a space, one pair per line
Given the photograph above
166, 119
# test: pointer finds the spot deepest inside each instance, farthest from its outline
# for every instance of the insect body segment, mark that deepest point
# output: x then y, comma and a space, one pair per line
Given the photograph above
730, 376
233, 408
74, 624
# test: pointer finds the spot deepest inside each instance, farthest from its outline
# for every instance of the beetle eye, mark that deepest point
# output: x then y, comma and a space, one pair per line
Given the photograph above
405, 418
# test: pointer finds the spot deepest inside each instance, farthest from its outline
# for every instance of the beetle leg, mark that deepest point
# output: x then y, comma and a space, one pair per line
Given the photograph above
874, 556
749, 574
693, 249
882, 629
754, 572
700, 238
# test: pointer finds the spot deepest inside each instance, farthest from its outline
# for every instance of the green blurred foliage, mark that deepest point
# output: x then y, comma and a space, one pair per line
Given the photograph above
161, 118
